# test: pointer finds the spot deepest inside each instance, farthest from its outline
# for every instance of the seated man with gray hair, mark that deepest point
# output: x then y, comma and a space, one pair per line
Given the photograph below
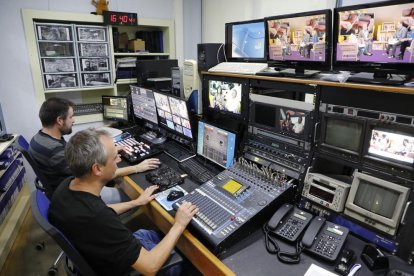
94, 228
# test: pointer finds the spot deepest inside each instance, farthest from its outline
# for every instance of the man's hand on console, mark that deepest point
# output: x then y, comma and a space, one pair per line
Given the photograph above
146, 196
147, 164
184, 214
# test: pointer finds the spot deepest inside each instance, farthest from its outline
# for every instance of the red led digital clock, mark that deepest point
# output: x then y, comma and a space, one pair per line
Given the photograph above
120, 18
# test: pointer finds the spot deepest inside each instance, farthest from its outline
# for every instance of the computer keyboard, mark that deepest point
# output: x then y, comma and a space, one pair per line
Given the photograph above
196, 171
177, 152
247, 68
165, 177
134, 151
86, 109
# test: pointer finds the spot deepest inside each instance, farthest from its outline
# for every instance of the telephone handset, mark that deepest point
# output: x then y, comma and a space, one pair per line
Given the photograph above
289, 222
324, 238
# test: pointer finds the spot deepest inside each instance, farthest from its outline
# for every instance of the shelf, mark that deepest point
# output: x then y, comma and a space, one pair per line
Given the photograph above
126, 81
79, 89
140, 54
12, 223
83, 119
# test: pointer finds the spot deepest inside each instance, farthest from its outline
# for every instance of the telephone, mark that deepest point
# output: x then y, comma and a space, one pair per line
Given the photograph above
324, 238
289, 222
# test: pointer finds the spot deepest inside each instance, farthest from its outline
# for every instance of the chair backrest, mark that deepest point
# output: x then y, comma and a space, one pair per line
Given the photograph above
40, 207
41, 182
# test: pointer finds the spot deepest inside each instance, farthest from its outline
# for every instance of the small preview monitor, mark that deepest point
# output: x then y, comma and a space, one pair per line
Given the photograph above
300, 40
374, 37
216, 144
173, 114
343, 134
245, 41
392, 146
143, 104
292, 121
225, 96
115, 108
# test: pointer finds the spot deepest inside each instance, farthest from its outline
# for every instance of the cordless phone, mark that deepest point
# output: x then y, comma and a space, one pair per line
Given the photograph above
289, 222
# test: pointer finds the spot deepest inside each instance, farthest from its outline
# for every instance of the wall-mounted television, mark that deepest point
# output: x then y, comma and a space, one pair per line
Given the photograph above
299, 41
379, 202
245, 41
374, 37
226, 96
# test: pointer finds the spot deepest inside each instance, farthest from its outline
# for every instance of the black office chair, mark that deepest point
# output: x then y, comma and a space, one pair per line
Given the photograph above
40, 206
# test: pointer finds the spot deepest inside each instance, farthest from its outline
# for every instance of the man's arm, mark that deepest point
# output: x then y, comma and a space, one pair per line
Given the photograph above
149, 262
143, 199
147, 164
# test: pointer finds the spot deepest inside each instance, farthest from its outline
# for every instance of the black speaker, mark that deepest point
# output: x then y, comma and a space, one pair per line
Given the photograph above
209, 55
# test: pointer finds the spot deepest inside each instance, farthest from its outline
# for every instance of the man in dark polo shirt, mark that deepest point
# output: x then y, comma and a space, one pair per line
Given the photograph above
94, 228
48, 145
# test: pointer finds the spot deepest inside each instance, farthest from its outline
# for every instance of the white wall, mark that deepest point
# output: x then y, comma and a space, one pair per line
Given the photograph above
215, 13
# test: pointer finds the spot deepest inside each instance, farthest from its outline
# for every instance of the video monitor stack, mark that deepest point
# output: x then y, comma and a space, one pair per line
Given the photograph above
301, 41
375, 38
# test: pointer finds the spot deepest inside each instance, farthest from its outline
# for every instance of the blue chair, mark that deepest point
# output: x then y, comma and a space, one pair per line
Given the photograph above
40, 206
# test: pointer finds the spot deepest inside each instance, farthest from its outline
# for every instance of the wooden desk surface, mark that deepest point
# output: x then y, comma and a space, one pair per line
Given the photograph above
205, 261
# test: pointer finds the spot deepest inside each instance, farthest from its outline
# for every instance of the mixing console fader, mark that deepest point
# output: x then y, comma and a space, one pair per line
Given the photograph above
234, 203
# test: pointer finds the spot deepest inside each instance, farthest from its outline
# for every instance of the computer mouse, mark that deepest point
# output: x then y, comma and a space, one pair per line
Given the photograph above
174, 194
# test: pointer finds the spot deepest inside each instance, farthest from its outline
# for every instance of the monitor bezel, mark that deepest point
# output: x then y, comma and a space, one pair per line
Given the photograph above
398, 129
219, 127
303, 64
244, 104
363, 214
364, 66
3, 130
165, 126
322, 138
117, 119
229, 42
133, 111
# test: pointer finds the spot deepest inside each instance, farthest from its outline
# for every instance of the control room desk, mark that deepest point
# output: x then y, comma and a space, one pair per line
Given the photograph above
249, 256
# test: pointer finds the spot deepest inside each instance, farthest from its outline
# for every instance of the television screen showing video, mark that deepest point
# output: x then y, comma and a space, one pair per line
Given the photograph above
392, 145
292, 121
375, 34
299, 38
225, 96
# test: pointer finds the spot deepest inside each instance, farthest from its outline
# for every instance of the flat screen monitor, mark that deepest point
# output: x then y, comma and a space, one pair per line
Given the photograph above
375, 37
374, 199
227, 96
216, 144
115, 108
245, 41
143, 104
300, 41
283, 116
173, 114
392, 146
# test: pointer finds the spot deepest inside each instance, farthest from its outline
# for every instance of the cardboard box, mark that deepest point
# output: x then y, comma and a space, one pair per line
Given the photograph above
123, 41
136, 45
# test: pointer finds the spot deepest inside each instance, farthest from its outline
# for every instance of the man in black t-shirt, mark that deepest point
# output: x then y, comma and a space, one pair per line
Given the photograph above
94, 228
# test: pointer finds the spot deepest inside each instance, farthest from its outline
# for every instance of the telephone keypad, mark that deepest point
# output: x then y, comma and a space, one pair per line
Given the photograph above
328, 245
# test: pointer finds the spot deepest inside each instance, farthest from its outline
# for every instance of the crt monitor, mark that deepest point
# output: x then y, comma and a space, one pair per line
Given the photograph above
245, 41
226, 96
115, 108
216, 144
301, 41
143, 104
375, 37
377, 201
173, 115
